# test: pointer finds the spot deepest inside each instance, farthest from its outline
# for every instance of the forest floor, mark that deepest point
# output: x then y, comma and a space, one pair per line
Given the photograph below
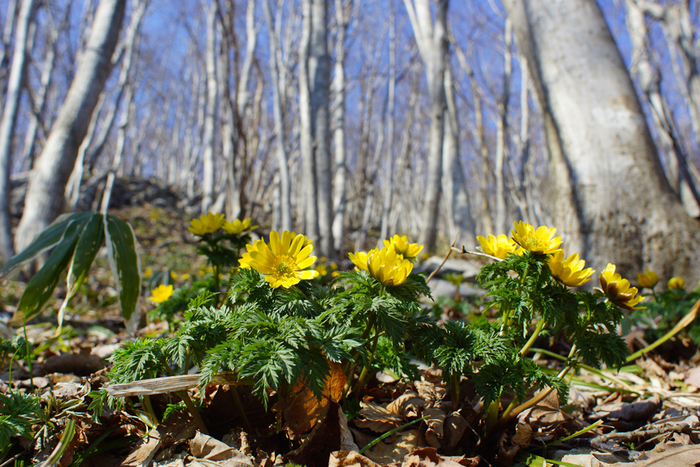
645, 413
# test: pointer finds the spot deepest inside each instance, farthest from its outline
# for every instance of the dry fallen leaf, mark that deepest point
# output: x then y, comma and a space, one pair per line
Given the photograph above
350, 459
396, 449
407, 405
377, 418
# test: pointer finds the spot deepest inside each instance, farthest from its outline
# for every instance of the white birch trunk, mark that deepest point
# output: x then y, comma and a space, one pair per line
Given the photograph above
432, 43
627, 211
47, 183
7, 124
208, 163
285, 210
340, 171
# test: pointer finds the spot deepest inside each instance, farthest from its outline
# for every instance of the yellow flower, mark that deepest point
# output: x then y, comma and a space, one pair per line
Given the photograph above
618, 290
161, 293
147, 273
569, 271
359, 259
497, 246
173, 275
185, 276
387, 266
283, 262
206, 224
322, 270
647, 279
237, 227
407, 250
540, 241
676, 283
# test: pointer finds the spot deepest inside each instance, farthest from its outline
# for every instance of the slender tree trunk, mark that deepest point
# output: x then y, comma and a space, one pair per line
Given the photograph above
626, 211
433, 46
391, 102
281, 150
501, 125
341, 171
7, 125
319, 81
47, 183
306, 139
208, 163
118, 158
649, 82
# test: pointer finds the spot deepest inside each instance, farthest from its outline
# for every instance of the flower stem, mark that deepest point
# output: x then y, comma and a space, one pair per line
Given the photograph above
531, 341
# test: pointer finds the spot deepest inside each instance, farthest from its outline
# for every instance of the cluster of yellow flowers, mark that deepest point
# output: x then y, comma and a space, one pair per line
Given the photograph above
392, 264
570, 271
210, 223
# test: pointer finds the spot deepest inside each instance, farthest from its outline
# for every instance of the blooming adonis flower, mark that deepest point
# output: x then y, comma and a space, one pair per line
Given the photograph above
407, 250
388, 266
676, 283
540, 241
161, 293
238, 226
206, 224
284, 262
569, 271
647, 279
499, 246
618, 290
359, 259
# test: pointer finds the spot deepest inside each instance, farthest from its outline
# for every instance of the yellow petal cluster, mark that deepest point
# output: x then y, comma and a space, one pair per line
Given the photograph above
647, 279
206, 224
569, 271
540, 240
359, 259
161, 293
386, 265
284, 261
238, 226
676, 283
407, 250
499, 246
618, 290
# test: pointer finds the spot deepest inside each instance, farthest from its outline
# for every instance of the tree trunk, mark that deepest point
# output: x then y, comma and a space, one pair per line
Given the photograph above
210, 118
341, 171
285, 210
319, 81
47, 183
391, 117
626, 212
306, 138
501, 126
432, 43
7, 125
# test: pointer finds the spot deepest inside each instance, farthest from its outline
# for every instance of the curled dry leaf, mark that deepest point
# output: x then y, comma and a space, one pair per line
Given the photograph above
377, 418
435, 421
407, 405
429, 391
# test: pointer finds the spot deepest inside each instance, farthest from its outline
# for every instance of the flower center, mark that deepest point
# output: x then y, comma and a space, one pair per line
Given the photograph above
285, 266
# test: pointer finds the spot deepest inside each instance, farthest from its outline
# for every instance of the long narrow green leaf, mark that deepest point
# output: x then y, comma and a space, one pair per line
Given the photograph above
46, 240
41, 286
89, 243
124, 261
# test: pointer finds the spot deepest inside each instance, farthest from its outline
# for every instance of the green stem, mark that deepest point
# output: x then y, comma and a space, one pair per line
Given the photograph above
531, 341
365, 369
492, 415
686, 320
241, 411
148, 406
349, 369
454, 391
193, 411
28, 356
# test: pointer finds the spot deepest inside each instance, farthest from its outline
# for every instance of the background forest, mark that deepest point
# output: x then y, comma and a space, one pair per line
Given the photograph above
352, 120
